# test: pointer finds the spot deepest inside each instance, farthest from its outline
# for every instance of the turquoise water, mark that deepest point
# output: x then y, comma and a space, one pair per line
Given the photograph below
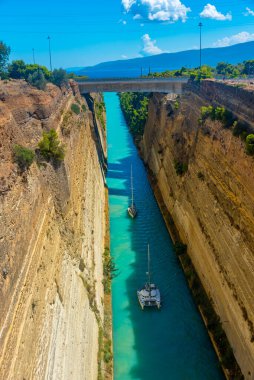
171, 343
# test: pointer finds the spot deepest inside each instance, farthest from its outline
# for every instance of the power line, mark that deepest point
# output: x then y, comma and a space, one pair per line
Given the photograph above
200, 46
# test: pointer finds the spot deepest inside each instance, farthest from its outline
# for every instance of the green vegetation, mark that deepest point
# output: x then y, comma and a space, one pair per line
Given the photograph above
194, 73
4, 57
217, 113
135, 109
59, 77
75, 108
83, 108
50, 146
100, 112
76, 77
19, 70
23, 156
228, 120
250, 144
36, 75
223, 70
176, 105
241, 129
109, 270
37, 79
180, 167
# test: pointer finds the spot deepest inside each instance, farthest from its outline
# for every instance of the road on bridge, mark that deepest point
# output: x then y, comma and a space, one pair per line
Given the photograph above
174, 86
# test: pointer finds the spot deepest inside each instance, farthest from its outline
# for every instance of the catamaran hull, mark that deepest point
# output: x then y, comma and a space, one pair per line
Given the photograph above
148, 304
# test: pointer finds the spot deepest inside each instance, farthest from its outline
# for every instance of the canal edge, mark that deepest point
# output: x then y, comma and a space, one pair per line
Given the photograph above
174, 234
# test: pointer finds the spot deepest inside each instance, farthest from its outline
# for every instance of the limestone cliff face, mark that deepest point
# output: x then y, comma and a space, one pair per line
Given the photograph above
212, 204
52, 229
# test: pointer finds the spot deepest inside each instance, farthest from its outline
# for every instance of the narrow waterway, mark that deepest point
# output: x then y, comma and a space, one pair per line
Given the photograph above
172, 343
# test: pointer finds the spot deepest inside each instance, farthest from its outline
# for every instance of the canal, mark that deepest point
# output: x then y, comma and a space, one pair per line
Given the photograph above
172, 343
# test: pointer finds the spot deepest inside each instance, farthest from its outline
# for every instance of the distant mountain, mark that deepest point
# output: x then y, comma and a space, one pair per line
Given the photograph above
169, 61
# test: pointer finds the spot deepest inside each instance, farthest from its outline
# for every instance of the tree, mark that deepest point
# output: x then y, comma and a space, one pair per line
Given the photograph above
37, 79
205, 72
31, 69
228, 70
248, 67
20, 70
50, 146
23, 156
17, 69
250, 144
4, 56
59, 77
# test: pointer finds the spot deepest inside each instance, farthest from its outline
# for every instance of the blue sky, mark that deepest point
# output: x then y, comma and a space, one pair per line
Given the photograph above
86, 32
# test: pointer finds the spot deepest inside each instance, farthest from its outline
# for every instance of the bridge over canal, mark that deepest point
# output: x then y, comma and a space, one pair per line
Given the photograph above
174, 86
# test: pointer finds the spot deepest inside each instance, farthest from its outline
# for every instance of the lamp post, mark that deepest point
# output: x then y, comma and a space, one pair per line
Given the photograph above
33, 57
50, 60
200, 46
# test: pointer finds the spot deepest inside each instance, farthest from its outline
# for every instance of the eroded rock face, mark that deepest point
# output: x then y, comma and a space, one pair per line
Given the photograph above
52, 229
212, 204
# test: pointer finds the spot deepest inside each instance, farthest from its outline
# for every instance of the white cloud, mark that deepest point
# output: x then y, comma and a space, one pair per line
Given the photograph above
210, 11
123, 56
128, 4
249, 12
235, 39
137, 17
124, 22
157, 10
149, 46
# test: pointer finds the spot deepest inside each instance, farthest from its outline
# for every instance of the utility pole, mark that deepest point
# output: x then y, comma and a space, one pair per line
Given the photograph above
50, 60
33, 57
149, 70
200, 46
141, 72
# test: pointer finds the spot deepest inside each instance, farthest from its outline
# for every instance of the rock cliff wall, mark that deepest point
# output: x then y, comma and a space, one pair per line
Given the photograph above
212, 204
52, 230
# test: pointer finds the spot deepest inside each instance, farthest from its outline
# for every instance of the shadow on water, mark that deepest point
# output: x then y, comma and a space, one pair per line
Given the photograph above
171, 343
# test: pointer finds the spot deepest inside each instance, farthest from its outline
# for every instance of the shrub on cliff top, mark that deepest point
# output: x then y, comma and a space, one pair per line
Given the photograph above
241, 129
20, 70
23, 156
59, 77
250, 144
217, 113
50, 147
37, 79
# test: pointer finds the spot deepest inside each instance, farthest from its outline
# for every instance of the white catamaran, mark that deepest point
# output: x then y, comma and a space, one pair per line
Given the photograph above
132, 211
149, 295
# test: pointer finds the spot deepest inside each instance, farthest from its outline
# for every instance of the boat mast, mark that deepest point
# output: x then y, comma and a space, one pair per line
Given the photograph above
149, 274
132, 197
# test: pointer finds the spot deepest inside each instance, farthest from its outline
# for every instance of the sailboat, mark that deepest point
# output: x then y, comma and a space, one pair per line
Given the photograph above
149, 295
132, 211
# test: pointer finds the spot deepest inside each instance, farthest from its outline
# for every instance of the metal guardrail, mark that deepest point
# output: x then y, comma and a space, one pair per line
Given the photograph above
110, 80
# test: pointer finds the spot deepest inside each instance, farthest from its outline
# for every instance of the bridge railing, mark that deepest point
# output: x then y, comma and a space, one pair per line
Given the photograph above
150, 79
